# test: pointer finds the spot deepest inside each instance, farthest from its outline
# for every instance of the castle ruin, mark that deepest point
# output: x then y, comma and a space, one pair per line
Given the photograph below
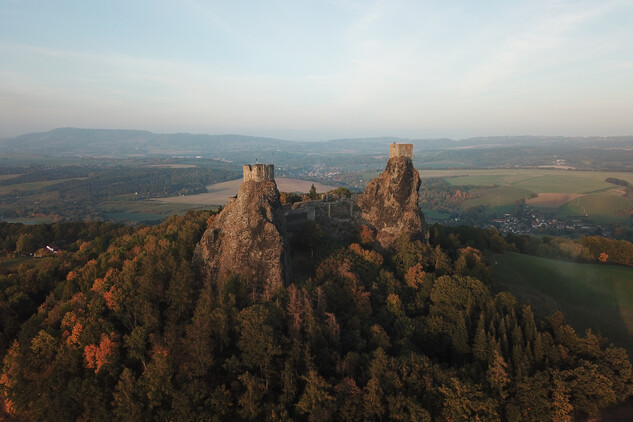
259, 172
401, 150
250, 236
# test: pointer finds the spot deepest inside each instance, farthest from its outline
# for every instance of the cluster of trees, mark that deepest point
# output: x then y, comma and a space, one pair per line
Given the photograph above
628, 189
585, 249
616, 181
609, 250
25, 287
438, 195
25, 239
128, 331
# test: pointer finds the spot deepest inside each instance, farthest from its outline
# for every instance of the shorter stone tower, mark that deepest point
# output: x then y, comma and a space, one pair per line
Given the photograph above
259, 172
390, 201
401, 150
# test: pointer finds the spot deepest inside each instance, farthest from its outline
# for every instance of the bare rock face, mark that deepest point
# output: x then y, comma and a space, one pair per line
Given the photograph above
390, 202
248, 238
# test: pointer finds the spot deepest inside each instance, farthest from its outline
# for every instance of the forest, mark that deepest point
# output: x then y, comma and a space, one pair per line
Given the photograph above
77, 191
119, 326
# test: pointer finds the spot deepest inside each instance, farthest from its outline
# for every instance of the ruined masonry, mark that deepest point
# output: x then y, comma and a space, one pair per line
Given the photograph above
249, 238
401, 150
259, 172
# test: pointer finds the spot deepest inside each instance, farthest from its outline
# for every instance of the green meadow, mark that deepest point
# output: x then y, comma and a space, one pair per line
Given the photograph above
600, 207
563, 193
12, 264
497, 197
595, 296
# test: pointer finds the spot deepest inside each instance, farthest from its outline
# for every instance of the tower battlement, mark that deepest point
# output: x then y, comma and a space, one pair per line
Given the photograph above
259, 172
401, 150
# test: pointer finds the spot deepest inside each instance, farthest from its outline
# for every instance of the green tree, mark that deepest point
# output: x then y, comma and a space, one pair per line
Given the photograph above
26, 244
250, 401
128, 398
313, 193
466, 402
257, 340
497, 374
316, 400
480, 343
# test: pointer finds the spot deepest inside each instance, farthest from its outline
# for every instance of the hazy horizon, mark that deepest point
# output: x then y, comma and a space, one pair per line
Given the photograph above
255, 135
314, 72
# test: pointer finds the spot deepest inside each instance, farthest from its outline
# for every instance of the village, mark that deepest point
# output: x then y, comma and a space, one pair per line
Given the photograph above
527, 220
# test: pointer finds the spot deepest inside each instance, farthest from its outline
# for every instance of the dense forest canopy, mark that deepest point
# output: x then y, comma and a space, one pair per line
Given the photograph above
119, 326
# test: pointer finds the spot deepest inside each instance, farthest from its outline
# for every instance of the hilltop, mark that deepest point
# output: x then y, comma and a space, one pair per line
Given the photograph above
119, 326
199, 317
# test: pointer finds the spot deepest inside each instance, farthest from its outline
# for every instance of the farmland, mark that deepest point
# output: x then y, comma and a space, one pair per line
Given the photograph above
561, 193
593, 296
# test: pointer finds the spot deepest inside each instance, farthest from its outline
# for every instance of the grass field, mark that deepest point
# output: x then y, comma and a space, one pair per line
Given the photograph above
477, 180
593, 296
562, 193
576, 182
599, 207
141, 211
13, 263
552, 201
497, 197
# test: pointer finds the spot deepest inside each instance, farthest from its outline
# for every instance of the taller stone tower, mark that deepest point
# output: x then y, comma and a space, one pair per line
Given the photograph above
401, 150
259, 172
248, 238
390, 201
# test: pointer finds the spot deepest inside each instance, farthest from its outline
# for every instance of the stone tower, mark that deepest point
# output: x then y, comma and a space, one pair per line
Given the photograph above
248, 238
259, 172
401, 150
390, 201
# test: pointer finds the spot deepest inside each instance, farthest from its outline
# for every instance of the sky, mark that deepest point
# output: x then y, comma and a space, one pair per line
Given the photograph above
316, 70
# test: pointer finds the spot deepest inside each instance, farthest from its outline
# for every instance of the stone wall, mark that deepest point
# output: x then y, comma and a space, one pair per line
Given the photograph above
327, 213
401, 150
259, 172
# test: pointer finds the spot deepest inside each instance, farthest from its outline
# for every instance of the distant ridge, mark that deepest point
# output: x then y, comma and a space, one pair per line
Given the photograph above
122, 142
493, 151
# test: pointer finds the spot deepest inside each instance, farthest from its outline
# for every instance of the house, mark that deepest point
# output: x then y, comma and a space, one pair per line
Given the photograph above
54, 249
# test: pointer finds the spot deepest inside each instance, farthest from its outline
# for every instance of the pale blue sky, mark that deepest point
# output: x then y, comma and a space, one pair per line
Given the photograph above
319, 69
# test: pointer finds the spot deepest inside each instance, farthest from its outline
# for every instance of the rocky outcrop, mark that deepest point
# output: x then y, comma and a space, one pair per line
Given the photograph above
390, 202
248, 239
